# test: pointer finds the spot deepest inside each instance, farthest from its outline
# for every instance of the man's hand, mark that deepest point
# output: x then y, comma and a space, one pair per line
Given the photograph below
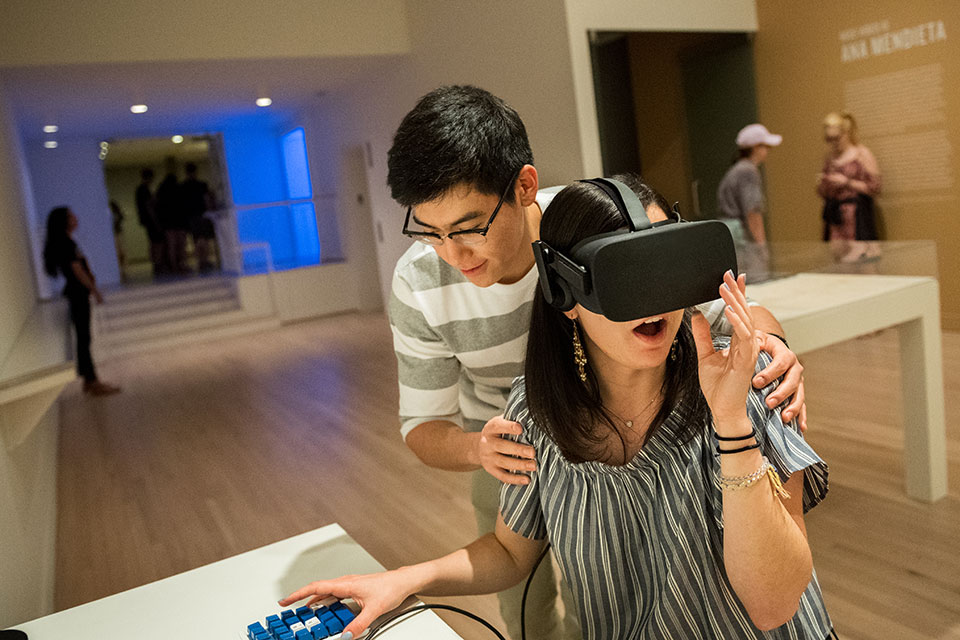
501, 457
786, 364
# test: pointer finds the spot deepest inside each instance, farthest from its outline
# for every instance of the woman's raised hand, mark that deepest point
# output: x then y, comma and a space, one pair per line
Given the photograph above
725, 375
376, 594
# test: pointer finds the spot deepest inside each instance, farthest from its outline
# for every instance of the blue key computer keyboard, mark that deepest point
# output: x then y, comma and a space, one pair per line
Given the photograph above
323, 620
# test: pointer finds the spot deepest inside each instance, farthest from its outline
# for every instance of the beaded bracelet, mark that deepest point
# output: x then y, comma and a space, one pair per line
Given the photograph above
742, 482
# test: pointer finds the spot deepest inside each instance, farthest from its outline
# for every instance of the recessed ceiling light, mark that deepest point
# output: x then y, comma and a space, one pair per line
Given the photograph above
51, 128
176, 139
138, 108
50, 144
264, 102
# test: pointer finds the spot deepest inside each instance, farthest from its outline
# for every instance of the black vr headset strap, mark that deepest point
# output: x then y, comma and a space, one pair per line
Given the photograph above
626, 200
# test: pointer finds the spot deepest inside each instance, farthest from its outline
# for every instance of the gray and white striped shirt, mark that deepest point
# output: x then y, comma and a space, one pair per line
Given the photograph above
641, 545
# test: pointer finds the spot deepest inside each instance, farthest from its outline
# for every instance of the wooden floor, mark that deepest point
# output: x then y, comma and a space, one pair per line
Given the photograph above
216, 449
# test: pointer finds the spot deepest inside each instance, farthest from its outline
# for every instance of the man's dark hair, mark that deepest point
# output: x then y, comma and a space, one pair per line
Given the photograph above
190, 168
569, 410
146, 174
456, 135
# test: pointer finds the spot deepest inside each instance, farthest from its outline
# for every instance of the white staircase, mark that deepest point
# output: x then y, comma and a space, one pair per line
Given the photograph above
156, 316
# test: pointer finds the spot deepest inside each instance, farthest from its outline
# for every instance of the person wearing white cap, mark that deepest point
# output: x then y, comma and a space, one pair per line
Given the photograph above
741, 199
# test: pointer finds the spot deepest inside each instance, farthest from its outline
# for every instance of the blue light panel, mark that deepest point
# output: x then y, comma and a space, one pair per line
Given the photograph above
296, 165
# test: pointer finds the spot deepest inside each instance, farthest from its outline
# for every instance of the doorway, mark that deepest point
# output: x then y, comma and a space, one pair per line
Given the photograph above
143, 252
669, 105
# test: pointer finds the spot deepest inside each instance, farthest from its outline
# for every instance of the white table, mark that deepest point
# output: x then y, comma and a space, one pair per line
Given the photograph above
220, 599
820, 309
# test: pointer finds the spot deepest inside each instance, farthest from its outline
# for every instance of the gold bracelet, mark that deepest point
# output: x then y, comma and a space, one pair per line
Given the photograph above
742, 482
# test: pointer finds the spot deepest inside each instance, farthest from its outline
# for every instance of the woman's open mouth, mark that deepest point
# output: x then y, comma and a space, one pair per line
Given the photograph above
651, 328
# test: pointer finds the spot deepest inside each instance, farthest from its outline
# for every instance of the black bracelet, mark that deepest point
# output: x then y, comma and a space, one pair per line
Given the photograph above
755, 445
752, 434
780, 338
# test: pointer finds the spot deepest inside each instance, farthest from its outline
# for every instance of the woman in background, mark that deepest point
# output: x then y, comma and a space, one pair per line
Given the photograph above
62, 255
848, 184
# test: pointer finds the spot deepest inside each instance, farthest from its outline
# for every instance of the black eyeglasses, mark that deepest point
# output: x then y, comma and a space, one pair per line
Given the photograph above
466, 237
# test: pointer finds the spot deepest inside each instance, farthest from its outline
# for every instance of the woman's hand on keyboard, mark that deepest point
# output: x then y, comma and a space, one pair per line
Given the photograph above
376, 594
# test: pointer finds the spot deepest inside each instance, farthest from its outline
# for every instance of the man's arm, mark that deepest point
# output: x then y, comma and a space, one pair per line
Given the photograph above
755, 225
444, 445
785, 363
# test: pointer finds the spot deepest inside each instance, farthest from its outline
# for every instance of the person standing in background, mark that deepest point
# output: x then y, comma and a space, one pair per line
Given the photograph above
62, 255
173, 219
196, 200
146, 213
742, 202
848, 183
117, 214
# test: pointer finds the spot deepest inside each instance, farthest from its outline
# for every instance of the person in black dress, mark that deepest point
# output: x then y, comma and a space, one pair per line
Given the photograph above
62, 255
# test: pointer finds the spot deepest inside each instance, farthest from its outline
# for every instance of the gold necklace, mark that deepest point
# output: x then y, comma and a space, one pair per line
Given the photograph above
629, 422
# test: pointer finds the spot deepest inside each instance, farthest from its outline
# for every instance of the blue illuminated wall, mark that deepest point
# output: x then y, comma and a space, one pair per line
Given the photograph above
266, 169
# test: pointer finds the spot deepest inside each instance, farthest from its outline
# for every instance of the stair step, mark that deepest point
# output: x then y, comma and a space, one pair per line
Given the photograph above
129, 294
174, 339
183, 325
146, 306
120, 322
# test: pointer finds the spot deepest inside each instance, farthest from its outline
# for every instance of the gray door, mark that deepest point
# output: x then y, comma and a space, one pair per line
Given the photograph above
720, 96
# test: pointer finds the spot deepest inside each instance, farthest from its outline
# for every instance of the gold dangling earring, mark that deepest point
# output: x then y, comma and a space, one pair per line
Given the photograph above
578, 354
673, 351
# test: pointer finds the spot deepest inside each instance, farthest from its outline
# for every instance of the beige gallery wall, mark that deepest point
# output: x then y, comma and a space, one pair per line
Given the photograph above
896, 67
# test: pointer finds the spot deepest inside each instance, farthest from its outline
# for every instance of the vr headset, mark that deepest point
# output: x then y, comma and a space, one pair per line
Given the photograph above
648, 270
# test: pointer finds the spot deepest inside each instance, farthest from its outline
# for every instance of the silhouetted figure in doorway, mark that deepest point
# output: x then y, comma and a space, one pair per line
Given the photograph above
146, 213
196, 200
173, 219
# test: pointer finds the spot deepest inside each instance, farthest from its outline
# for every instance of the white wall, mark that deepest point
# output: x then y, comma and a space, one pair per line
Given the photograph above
17, 291
28, 472
56, 32
337, 168
72, 175
28, 523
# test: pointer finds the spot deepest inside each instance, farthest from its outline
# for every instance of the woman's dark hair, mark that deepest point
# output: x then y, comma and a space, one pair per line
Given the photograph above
569, 410
57, 238
456, 135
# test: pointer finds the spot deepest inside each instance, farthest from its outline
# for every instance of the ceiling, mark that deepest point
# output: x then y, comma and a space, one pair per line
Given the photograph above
149, 152
183, 97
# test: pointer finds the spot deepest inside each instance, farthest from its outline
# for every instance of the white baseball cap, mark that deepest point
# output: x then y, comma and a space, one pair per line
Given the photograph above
754, 134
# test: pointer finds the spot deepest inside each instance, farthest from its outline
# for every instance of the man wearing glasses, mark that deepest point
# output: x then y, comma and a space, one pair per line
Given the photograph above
462, 165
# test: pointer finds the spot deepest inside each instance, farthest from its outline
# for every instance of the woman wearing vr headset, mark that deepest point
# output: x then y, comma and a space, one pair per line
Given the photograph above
672, 496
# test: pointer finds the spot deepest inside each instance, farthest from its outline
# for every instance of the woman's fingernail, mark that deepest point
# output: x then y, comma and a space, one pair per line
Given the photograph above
725, 286
729, 273
346, 635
